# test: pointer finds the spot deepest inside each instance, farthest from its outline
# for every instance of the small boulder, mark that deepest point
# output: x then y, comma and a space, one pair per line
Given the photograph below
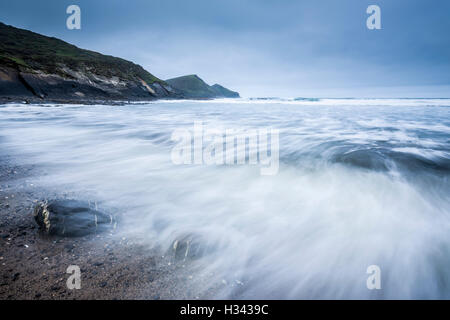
71, 218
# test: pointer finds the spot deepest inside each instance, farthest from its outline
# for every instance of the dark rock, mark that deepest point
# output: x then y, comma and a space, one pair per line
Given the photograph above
71, 218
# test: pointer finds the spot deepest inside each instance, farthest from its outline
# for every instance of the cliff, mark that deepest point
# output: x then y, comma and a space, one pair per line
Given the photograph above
37, 67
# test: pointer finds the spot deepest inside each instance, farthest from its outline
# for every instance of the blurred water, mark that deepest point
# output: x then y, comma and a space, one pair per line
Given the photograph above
360, 182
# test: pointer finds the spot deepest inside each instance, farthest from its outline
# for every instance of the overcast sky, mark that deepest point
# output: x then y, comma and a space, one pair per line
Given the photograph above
264, 48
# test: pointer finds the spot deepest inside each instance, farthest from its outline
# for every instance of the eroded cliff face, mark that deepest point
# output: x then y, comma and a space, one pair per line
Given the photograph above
80, 85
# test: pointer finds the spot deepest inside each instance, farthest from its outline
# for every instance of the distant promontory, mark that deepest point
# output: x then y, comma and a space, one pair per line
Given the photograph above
192, 86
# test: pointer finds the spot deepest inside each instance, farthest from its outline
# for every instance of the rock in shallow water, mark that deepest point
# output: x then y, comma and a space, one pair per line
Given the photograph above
71, 218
